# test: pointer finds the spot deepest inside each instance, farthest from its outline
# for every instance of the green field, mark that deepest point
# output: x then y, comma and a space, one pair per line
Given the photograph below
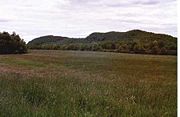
87, 84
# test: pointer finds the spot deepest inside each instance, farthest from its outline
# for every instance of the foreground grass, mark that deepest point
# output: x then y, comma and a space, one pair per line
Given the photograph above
87, 84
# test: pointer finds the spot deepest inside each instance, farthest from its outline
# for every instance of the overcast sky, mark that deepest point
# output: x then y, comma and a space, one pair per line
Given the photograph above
78, 18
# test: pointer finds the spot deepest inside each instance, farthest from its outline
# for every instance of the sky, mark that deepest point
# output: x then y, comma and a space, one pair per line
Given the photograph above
79, 18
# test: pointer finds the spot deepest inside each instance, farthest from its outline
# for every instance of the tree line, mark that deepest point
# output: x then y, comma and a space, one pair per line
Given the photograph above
152, 47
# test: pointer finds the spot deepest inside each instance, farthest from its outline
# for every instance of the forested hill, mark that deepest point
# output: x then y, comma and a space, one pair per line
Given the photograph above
129, 35
134, 41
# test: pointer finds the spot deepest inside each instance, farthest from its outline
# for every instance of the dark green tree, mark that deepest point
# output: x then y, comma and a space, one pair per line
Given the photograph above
12, 44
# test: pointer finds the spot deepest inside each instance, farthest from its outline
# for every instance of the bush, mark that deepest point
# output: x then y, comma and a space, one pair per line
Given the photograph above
163, 51
96, 47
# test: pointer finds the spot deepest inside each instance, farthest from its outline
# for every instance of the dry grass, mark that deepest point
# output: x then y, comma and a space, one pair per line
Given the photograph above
87, 84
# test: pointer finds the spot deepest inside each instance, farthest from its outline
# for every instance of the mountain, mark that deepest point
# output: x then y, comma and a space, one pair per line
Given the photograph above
129, 35
46, 39
134, 41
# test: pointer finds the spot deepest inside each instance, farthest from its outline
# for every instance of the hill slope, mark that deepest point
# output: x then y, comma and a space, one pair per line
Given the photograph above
134, 41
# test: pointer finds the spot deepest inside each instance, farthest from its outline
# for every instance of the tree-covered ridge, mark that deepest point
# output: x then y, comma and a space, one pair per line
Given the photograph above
12, 44
134, 41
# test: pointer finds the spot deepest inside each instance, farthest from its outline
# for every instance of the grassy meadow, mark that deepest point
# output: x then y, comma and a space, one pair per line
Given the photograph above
50, 83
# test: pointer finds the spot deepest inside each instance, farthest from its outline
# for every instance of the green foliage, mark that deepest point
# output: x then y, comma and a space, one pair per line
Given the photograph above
135, 41
11, 44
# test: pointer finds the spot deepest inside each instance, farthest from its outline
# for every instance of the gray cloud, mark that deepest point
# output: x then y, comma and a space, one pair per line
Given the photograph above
78, 18
148, 2
4, 20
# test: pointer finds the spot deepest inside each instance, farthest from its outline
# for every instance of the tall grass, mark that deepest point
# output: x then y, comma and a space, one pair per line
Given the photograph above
87, 84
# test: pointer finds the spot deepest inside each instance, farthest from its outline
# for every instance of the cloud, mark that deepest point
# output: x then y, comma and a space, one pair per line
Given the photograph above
78, 18
4, 20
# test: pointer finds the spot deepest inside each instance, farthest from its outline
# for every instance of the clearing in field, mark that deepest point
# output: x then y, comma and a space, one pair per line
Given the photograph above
87, 84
